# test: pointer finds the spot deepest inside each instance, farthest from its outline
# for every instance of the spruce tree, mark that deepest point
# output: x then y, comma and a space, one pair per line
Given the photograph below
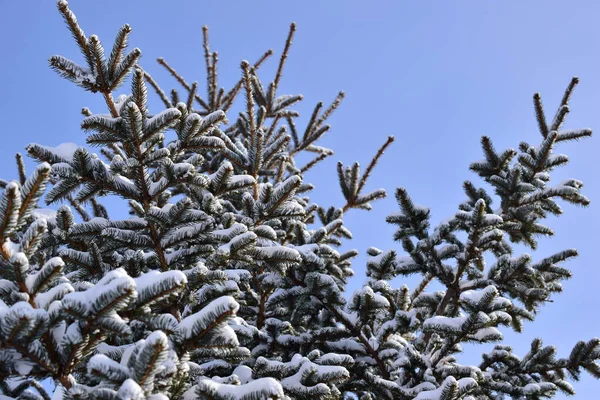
227, 283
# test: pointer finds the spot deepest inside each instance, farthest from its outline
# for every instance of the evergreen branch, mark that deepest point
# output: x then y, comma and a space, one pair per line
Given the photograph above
183, 83
284, 55
73, 72
314, 162
373, 162
539, 114
76, 31
124, 68
20, 347
272, 127
153, 354
209, 68
332, 107
32, 190
139, 93
312, 123
110, 103
249, 99
9, 212
116, 55
230, 96
191, 96
352, 185
569, 91
559, 118
21, 168
213, 83
158, 90
77, 206
100, 69
427, 278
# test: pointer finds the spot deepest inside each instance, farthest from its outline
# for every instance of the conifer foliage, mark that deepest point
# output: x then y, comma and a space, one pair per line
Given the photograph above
227, 283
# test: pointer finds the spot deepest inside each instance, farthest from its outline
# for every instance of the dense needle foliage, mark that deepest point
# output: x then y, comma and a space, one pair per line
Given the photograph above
227, 283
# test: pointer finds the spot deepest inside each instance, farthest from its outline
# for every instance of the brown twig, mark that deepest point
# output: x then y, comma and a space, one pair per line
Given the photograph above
158, 90
182, 81
373, 162
284, 55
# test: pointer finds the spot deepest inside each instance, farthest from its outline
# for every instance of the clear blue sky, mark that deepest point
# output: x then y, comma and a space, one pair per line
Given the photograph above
437, 75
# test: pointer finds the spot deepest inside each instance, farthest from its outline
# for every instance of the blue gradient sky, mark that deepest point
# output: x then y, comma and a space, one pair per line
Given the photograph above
435, 75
